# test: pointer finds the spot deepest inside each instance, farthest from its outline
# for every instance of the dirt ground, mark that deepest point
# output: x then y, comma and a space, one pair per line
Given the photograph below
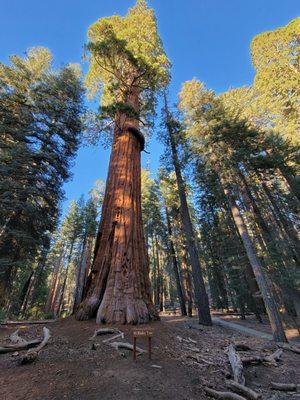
68, 368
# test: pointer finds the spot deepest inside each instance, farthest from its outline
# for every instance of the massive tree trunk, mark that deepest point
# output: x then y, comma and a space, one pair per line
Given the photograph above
175, 265
119, 290
271, 307
201, 297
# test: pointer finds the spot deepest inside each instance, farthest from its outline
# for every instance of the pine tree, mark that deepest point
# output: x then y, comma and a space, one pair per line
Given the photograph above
202, 302
40, 113
215, 136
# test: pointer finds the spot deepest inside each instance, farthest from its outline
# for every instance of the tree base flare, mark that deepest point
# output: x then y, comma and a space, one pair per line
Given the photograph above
88, 309
128, 312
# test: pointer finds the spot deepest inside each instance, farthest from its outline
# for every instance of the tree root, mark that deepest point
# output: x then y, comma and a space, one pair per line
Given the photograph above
18, 344
32, 354
223, 395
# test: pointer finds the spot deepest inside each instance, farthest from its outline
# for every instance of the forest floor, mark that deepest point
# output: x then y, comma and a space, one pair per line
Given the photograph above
68, 367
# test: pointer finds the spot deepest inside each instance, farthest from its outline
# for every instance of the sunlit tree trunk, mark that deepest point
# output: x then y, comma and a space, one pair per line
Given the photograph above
63, 288
54, 284
119, 289
271, 307
83, 271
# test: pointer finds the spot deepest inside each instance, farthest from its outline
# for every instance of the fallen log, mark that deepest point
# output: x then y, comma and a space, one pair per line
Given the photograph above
42, 321
286, 387
241, 347
128, 346
244, 390
120, 334
291, 347
18, 343
223, 395
199, 359
10, 348
236, 365
32, 354
188, 340
15, 338
103, 331
271, 359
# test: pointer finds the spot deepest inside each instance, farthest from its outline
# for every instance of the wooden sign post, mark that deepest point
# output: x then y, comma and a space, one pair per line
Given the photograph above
142, 333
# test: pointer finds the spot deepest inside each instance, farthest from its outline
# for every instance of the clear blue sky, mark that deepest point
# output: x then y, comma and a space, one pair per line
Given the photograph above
207, 39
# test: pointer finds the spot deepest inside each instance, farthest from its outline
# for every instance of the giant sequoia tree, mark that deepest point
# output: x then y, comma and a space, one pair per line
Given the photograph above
128, 62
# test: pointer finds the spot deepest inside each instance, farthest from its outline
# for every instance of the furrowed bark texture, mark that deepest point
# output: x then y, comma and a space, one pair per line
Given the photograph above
119, 289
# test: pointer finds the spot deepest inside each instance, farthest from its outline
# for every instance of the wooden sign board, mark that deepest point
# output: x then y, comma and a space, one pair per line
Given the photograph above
137, 333
142, 333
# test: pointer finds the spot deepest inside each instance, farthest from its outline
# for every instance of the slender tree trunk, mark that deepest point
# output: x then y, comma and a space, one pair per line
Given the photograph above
62, 292
154, 276
199, 286
158, 275
119, 291
286, 225
24, 305
54, 283
272, 311
25, 290
83, 272
5, 285
187, 283
293, 183
175, 265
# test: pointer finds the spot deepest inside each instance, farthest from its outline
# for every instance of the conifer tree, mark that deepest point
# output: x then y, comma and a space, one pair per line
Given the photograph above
215, 134
40, 114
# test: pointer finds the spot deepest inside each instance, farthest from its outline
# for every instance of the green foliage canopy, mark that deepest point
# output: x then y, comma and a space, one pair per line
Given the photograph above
126, 54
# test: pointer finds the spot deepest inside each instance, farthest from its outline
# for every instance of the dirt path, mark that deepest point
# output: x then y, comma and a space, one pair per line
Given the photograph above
251, 327
68, 368
241, 328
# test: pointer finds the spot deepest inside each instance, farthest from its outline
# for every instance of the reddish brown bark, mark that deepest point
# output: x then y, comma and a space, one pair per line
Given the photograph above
187, 284
54, 284
119, 289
